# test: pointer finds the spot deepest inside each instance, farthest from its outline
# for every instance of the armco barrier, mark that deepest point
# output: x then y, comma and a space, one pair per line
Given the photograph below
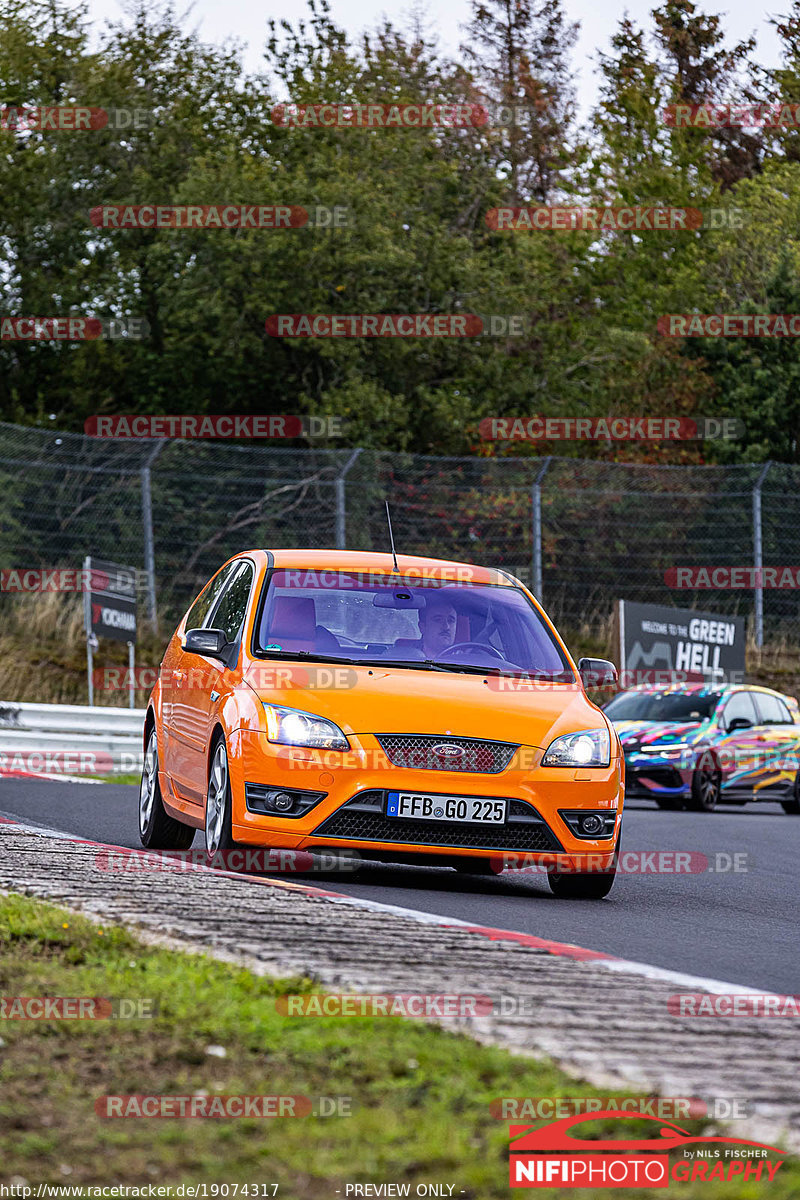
69, 739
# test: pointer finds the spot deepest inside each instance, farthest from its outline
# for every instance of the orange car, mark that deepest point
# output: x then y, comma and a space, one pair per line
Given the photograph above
411, 709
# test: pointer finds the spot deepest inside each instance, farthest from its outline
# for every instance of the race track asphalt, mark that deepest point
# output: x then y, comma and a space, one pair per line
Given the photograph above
738, 926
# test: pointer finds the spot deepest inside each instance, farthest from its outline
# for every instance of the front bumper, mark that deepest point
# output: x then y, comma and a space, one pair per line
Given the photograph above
352, 810
648, 776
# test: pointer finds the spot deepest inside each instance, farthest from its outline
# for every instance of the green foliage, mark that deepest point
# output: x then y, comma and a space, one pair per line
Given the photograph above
417, 237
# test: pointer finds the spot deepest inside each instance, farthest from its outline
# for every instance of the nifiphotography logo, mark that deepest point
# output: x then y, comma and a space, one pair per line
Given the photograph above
551, 1157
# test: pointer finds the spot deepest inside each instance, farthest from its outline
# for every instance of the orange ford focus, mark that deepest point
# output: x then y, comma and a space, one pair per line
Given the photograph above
413, 710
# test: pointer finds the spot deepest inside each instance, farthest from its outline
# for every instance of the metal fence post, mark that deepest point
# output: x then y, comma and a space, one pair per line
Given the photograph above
758, 554
341, 533
536, 497
147, 525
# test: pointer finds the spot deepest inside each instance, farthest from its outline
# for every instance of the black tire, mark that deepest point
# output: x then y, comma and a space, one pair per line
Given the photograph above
575, 886
157, 829
217, 826
706, 783
670, 803
793, 806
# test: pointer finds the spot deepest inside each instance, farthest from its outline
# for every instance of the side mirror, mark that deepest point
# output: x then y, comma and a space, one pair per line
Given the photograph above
210, 642
597, 672
739, 723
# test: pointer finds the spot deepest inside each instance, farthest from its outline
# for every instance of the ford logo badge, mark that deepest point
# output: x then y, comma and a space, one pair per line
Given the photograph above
448, 750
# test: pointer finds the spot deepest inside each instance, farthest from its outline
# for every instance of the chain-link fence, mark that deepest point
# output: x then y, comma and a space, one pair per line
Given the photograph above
582, 533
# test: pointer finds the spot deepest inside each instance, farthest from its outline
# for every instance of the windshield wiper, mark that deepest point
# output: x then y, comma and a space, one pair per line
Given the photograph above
334, 658
417, 664
510, 672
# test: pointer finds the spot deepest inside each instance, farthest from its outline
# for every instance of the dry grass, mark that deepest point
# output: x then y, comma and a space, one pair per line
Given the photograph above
43, 653
776, 665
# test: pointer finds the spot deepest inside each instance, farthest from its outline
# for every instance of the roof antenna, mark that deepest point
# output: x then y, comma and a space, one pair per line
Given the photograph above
391, 536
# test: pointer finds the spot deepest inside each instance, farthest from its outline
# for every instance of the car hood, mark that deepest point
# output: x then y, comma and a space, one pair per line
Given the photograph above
395, 700
633, 734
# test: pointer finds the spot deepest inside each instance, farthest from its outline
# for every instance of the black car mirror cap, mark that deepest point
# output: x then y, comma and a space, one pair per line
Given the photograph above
739, 723
211, 643
597, 672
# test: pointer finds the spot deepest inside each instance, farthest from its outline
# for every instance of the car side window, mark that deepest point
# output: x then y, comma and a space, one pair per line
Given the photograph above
772, 709
230, 612
207, 598
739, 705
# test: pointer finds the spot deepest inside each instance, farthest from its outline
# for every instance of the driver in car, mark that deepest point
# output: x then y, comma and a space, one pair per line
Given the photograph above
437, 623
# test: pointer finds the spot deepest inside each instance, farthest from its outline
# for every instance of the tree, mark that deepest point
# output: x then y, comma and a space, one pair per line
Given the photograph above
518, 53
698, 69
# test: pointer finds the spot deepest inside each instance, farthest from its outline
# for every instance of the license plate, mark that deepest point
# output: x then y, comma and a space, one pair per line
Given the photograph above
419, 806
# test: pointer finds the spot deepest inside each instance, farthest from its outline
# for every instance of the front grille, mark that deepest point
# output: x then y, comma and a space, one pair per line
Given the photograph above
362, 820
417, 751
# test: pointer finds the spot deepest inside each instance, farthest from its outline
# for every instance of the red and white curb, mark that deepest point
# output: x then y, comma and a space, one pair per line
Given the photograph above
610, 962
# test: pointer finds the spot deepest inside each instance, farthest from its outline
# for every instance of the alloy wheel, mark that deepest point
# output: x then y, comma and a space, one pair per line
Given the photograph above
217, 798
147, 788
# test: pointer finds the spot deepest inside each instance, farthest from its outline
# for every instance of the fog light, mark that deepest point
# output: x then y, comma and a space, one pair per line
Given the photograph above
294, 802
591, 824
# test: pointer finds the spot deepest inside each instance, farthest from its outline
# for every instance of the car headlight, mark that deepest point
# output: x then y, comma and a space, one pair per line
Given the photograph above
291, 727
586, 748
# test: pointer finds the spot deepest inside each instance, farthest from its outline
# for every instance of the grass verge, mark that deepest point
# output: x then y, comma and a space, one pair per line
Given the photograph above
418, 1096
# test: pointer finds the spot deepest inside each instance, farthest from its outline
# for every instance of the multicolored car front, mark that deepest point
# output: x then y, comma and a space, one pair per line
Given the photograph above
697, 745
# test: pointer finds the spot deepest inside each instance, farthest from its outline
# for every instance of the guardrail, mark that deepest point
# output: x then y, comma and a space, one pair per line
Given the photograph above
69, 739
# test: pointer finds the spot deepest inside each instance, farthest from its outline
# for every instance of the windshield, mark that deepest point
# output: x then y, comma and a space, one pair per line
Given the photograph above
454, 626
662, 706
